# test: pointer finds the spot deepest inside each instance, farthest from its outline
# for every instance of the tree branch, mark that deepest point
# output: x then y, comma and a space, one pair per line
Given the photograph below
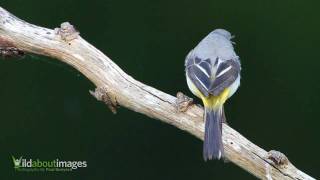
115, 87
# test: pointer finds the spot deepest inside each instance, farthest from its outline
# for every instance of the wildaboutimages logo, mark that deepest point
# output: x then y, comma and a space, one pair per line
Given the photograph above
31, 165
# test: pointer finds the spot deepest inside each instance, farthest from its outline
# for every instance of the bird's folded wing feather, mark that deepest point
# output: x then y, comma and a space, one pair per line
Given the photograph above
212, 77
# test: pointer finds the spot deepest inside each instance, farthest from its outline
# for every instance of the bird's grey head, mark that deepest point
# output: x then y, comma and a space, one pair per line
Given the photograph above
223, 32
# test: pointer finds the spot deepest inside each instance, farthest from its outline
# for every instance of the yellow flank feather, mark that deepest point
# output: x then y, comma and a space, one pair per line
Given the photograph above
215, 102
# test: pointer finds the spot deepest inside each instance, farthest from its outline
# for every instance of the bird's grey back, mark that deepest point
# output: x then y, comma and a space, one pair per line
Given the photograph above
216, 44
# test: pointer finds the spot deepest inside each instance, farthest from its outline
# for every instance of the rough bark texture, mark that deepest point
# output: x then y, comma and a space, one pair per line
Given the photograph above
115, 87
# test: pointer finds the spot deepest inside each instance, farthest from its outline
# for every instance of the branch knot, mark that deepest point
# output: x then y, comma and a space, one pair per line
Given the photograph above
183, 102
8, 50
67, 32
277, 158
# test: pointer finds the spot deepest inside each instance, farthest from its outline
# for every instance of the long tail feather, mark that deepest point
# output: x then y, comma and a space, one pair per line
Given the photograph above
213, 146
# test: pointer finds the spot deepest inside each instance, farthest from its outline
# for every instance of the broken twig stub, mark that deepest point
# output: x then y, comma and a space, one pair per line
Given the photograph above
277, 158
8, 50
67, 32
183, 102
102, 94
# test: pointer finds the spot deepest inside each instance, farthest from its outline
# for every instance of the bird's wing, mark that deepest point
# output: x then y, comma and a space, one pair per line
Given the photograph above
199, 72
212, 77
226, 73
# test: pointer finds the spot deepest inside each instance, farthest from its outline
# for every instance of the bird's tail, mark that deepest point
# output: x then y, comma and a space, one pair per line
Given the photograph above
213, 146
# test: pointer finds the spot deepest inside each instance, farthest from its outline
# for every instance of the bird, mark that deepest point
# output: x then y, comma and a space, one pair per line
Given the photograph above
213, 75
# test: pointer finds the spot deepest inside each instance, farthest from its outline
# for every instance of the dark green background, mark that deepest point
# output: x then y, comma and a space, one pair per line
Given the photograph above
46, 111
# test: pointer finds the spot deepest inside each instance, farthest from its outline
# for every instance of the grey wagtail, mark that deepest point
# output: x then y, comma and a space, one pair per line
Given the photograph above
213, 75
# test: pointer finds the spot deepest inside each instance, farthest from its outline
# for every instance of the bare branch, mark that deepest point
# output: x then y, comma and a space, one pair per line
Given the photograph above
66, 45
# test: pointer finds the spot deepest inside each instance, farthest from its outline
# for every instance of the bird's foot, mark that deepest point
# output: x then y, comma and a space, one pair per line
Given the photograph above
183, 102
